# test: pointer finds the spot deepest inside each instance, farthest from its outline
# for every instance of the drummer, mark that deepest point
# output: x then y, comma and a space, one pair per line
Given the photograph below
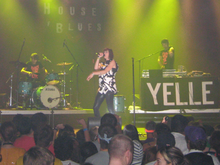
35, 71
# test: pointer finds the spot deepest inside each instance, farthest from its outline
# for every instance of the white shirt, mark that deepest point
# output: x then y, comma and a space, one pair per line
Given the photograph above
180, 142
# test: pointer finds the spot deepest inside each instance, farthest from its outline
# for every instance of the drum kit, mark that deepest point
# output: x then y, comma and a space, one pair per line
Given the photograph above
48, 96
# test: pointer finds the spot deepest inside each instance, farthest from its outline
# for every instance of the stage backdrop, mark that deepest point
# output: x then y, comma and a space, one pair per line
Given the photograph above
132, 28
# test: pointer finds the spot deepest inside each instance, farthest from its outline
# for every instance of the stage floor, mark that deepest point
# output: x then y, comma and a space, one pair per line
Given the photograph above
208, 116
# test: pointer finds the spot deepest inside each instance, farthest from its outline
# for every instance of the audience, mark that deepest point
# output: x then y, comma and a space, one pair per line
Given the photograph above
120, 150
107, 144
17, 119
215, 143
9, 153
38, 156
105, 134
66, 149
178, 124
164, 139
149, 129
93, 132
149, 155
26, 140
43, 137
87, 149
38, 121
131, 132
65, 129
171, 156
111, 119
160, 128
196, 142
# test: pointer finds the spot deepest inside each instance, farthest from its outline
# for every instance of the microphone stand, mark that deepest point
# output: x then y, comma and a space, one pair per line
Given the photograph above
77, 76
141, 59
133, 92
18, 70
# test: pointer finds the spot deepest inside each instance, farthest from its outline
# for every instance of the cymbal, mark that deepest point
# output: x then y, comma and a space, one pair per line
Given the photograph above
64, 63
2, 94
53, 82
61, 74
21, 64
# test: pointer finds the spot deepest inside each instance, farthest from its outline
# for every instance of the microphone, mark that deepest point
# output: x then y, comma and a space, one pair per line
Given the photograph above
98, 54
45, 58
49, 100
64, 43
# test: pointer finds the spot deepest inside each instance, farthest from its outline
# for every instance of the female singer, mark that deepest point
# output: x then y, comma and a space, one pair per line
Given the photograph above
107, 85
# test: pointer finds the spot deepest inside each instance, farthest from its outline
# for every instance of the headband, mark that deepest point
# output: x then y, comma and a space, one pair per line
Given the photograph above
105, 138
149, 131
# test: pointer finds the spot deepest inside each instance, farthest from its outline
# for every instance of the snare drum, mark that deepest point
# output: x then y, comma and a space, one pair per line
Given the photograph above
46, 96
52, 79
25, 88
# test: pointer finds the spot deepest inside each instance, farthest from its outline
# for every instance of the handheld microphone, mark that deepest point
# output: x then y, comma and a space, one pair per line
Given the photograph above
99, 56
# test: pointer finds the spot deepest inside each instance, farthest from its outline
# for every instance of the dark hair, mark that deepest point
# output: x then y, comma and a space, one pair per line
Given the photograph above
24, 126
150, 125
109, 118
165, 139
178, 123
87, 149
174, 156
93, 132
17, 119
38, 155
8, 131
43, 136
119, 145
80, 137
208, 129
67, 130
198, 144
165, 41
106, 130
34, 56
66, 148
111, 55
215, 141
162, 128
149, 154
131, 132
38, 120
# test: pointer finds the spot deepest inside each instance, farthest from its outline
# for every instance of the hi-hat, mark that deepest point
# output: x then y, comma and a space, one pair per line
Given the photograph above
61, 74
64, 63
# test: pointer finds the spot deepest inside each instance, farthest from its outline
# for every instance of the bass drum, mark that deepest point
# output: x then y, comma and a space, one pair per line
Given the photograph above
46, 96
